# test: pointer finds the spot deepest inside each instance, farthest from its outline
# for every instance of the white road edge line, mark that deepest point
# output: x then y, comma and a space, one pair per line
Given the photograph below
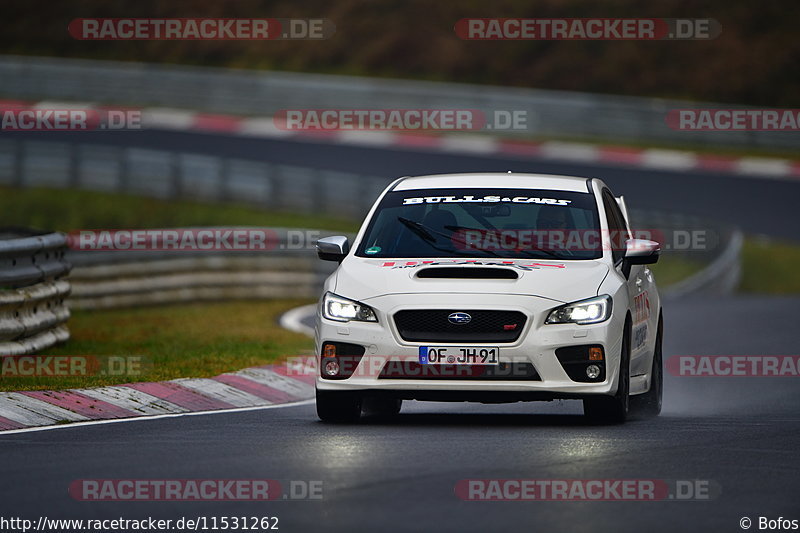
292, 319
154, 417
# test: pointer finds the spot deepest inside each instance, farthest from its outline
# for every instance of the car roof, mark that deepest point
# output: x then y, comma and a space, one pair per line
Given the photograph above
496, 180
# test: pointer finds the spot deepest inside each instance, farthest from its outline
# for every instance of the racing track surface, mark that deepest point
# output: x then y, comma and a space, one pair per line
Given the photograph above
740, 433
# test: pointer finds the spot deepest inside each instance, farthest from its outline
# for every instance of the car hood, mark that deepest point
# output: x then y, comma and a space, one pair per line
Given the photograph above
562, 281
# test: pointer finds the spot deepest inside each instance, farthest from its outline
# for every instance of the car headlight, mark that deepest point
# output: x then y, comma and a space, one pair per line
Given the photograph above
343, 310
590, 311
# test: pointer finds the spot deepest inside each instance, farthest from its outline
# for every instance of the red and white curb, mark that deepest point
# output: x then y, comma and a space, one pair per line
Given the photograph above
649, 158
467, 143
256, 387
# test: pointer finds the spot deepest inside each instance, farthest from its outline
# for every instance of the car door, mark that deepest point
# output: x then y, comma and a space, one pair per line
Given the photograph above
637, 282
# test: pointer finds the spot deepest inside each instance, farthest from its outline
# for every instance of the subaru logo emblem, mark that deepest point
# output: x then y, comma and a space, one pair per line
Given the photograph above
459, 318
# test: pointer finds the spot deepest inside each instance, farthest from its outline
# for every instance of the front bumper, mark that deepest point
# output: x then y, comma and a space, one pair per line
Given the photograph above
536, 345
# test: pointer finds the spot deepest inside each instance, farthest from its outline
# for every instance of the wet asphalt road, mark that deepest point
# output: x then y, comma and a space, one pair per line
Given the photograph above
739, 434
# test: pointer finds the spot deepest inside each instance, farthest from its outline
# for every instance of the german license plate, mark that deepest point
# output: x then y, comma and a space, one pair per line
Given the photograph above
458, 355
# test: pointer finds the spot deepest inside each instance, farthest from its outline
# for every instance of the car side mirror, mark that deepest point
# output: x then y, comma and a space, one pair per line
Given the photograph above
641, 252
333, 248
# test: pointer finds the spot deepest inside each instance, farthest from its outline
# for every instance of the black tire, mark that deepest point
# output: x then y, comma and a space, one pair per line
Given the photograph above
648, 405
382, 408
614, 409
336, 407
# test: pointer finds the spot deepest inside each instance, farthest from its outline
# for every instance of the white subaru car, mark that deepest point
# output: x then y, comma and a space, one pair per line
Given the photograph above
492, 288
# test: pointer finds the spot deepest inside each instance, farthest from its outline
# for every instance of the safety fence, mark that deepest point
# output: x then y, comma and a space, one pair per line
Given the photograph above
33, 291
110, 279
186, 175
559, 114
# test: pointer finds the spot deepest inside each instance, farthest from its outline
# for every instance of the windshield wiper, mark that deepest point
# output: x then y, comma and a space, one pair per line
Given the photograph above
427, 234
419, 229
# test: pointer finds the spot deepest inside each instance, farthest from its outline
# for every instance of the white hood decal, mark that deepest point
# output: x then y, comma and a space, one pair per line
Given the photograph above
521, 265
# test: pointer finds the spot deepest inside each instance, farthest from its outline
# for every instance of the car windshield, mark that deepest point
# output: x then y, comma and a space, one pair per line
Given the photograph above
507, 223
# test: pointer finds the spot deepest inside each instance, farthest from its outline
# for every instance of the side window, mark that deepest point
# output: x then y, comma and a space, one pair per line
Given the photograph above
616, 208
616, 226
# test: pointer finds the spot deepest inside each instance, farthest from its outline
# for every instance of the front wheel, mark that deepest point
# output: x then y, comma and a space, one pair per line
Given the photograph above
337, 407
648, 405
614, 409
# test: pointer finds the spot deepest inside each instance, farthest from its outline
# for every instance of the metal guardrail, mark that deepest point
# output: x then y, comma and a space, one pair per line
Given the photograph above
169, 174
110, 279
33, 312
191, 280
27, 258
562, 114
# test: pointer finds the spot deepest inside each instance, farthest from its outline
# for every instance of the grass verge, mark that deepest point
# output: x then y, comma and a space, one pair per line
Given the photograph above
72, 209
770, 267
672, 268
175, 341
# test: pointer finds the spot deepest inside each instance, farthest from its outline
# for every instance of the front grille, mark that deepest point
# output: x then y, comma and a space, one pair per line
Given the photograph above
501, 372
432, 325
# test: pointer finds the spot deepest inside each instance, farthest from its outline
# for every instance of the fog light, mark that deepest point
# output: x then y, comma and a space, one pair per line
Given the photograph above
592, 371
332, 368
